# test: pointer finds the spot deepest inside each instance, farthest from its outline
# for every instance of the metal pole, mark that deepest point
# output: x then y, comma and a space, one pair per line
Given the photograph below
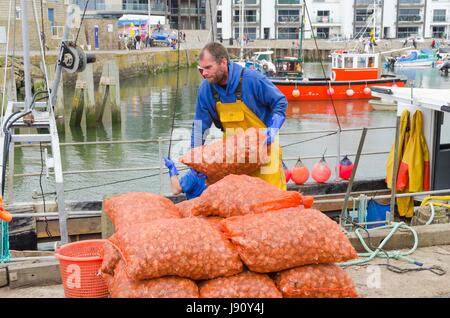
338, 161
58, 72
241, 30
149, 17
302, 30
352, 178
26, 55
160, 165
394, 172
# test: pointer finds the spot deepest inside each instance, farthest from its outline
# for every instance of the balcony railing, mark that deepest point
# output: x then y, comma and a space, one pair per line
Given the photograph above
439, 18
188, 11
288, 19
410, 18
247, 19
131, 7
325, 19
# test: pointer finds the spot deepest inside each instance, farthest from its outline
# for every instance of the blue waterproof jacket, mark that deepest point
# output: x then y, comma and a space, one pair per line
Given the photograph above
192, 185
258, 93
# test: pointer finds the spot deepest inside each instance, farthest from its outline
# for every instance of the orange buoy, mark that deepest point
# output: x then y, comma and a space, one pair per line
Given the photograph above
296, 92
321, 172
287, 173
5, 216
300, 173
345, 169
367, 90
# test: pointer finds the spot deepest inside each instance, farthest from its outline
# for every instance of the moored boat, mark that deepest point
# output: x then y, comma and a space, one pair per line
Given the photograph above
351, 77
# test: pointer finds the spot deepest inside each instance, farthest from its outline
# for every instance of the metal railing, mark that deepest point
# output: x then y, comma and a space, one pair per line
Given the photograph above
161, 141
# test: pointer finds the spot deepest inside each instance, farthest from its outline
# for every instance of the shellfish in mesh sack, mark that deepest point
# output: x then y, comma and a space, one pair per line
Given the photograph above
316, 281
120, 286
241, 153
185, 247
132, 208
111, 256
185, 207
280, 240
244, 285
240, 195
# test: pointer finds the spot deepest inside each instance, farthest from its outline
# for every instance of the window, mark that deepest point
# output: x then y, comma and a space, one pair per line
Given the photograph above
288, 33
246, 2
291, 2
18, 13
406, 32
409, 15
323, 33
250, 32
348, 62
249, 16
438, 31
439, 15
371, 62
340, 61
361, 63
288, 16
323, 16
219, 16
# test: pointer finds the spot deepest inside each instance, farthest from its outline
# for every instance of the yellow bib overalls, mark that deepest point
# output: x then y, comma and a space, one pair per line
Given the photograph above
238, 116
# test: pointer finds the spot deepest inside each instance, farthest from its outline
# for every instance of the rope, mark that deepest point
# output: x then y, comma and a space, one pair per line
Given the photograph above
323, 68
6, 63
307, 140
81, 23
42, 51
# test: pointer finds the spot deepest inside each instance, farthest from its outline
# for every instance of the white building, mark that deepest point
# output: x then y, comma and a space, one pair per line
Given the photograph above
281, 19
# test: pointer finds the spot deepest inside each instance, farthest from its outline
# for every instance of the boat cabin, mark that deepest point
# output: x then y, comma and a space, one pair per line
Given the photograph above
290, 67
353, 66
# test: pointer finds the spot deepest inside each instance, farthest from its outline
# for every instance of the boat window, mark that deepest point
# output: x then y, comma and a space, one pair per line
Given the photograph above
339, 61
348, 62
371, 62
362, 60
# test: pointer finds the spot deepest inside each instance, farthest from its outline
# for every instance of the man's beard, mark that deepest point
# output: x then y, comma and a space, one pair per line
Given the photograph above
217, 79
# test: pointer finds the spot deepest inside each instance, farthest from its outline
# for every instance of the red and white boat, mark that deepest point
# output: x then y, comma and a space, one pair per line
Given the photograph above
352, 75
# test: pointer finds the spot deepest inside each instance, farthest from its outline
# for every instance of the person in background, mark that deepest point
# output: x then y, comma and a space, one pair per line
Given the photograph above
192, 184
433, 44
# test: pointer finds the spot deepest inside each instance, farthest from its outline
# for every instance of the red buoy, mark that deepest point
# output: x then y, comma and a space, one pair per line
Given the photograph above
321, 172
287, 173
300, 173
345, 169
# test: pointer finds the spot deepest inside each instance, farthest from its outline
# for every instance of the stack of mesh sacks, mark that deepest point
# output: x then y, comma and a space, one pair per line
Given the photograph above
241, 238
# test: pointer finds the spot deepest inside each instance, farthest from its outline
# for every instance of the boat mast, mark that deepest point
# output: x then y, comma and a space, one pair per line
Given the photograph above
302, 30
26, 55
241, 30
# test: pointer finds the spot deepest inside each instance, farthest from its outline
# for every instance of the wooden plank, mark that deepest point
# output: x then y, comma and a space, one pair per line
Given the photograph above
30, 253
75, 226
3, 275
34, 274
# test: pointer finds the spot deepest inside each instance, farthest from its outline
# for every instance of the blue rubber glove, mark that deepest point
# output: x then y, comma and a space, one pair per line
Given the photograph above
198, 174
171, 166
274, 126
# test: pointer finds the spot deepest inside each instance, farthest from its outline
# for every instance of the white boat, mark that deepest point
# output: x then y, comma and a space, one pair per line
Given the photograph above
383, 105
417, 59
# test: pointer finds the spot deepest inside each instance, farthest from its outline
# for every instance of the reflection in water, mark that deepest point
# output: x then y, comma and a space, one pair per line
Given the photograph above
147, 105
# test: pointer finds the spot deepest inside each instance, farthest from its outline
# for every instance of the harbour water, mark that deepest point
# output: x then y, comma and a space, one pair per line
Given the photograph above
147, 105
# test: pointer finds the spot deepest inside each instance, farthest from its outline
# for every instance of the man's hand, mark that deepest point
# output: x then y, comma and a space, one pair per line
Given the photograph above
198, 174
274, 127
171, 167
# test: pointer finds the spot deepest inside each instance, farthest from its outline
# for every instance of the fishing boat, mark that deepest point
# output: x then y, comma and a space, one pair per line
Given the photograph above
416, 58
262, 61
382, 105
351, 77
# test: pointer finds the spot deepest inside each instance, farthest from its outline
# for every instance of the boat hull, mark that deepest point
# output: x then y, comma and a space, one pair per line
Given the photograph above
318, 90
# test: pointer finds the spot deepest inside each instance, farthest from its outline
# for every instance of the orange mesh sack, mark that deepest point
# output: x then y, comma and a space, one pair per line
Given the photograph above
281, 240
185, 207
138, 207
111, 256
166, 287
240, 195
242, 153
316, 281
189, 247
244, 285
